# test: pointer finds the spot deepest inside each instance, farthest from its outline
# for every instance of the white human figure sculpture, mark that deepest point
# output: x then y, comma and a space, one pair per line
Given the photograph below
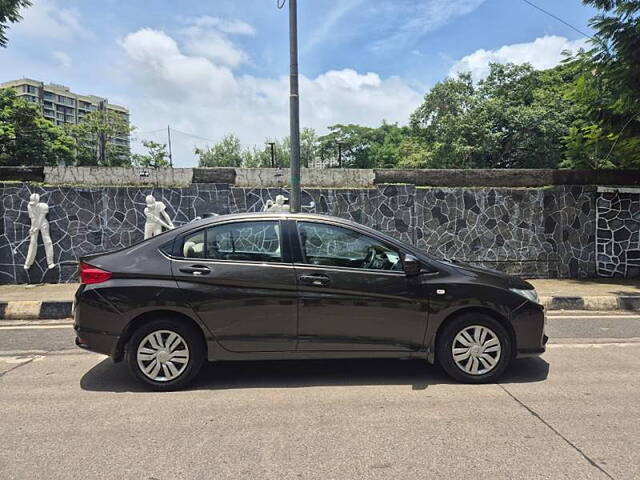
39, 224
278, 206
157, 218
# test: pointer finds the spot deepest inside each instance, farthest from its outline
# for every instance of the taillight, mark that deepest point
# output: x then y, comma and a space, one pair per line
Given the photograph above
90, 274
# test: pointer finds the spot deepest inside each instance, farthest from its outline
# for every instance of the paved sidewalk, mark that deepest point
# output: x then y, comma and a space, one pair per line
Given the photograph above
581, 288
41, 292
55, 301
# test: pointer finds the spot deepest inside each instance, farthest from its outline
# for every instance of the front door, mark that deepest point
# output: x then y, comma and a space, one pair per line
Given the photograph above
238, 281
354, 294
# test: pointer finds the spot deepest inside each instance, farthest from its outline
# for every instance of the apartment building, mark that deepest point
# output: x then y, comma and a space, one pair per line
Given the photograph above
60, 105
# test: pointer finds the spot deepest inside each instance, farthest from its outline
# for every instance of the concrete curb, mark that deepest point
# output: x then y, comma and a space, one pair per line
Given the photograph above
31, 310
592, 302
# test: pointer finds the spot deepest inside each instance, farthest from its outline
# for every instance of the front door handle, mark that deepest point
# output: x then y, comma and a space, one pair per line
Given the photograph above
196, 270
316, 280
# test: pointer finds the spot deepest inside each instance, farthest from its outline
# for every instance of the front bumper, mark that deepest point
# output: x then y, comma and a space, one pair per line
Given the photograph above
535, 352
528, 322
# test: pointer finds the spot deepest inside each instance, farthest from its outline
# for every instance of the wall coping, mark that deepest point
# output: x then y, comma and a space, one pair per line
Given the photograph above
320, 178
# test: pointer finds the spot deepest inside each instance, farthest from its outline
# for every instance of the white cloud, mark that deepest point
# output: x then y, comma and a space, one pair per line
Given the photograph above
432, 14
387, 24
197, 95
544, 52
327, 26
160, 65
424, 16
62, 58
232, 27
49, 19
208, 37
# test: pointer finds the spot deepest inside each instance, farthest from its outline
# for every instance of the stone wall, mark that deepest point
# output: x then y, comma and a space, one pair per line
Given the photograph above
618, 234
548, 232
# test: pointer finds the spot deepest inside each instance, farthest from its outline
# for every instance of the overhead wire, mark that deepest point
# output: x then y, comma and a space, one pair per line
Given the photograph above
546, 12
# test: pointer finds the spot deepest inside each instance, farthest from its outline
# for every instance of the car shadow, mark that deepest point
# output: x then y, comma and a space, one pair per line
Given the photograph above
419, 375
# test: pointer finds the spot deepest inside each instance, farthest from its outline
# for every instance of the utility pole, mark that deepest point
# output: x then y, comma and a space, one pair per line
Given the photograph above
273, 153
294, 108
169, 139
339, 155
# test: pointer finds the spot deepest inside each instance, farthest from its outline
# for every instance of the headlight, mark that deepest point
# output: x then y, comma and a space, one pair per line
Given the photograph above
530, 294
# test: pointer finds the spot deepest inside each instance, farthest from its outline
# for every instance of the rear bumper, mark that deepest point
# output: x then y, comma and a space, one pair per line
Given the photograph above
96, 341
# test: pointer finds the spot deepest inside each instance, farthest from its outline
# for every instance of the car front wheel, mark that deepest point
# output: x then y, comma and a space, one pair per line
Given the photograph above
474, 348
165, 354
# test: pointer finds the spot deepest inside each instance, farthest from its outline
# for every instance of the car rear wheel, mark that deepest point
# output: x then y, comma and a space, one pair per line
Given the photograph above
474, 348
165, 354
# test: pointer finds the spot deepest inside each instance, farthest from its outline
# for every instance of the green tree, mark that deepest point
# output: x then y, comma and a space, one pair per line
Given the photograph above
10, 13
445, 123
27, 138
96, 137
606, 91
346, 146
414, 153
308, 146
515, 118
362, 147
385, 146
156, 156
257, 157
226, 153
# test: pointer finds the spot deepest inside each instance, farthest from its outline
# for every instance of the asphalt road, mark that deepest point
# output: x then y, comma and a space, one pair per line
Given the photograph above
574, 414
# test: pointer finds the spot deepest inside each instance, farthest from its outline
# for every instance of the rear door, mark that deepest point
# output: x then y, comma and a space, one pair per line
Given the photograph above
239, 279
354, 294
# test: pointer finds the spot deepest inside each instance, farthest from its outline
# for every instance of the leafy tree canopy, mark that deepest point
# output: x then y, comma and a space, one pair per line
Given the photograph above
606, 91
156, 156
96, 136
10, 13
27, 138
226, 153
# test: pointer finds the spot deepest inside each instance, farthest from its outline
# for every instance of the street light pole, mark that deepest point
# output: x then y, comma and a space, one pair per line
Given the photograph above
273, 154
170, 153
294, 108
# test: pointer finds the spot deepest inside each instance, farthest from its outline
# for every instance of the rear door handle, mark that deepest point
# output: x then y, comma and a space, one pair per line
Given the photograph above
316, 280
196, 270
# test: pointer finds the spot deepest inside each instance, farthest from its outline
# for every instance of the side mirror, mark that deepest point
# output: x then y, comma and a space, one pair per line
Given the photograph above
411, 265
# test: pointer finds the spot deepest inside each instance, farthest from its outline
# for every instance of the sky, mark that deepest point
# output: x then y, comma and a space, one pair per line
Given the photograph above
210, 68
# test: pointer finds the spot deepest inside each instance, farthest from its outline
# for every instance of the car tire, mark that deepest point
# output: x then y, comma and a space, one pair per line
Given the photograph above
165, 354
474, 348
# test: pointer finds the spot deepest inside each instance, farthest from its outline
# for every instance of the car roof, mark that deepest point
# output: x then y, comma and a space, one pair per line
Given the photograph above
278, 216
265, 215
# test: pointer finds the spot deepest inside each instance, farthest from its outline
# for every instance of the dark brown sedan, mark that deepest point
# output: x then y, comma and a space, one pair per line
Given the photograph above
296, 286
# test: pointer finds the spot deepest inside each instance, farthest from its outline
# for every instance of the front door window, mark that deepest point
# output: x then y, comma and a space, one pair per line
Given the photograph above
334, 246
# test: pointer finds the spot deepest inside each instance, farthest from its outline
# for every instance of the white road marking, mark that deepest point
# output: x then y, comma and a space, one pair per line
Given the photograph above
629, 342
45, 353
35, 327
581, 317
619, 313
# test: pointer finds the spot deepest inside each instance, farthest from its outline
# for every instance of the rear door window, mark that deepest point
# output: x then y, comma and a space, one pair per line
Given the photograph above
240, 241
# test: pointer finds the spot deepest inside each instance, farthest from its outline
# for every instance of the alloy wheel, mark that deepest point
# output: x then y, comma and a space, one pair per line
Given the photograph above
476, 350
162, 355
